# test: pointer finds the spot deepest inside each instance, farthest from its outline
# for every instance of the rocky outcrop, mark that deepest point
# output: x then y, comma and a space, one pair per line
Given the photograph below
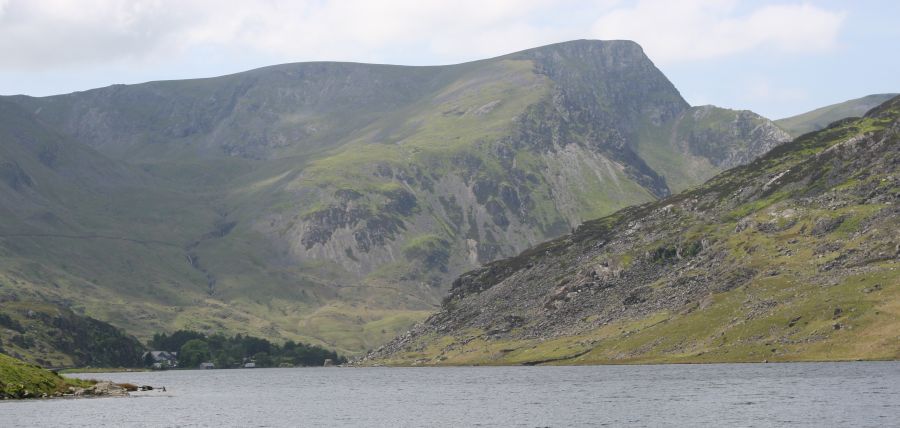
728, 138
99, 389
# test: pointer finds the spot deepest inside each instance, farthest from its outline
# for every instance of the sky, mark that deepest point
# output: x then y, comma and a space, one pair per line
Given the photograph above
775, 57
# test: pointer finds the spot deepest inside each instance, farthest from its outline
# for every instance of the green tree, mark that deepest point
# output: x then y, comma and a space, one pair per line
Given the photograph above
231, 351
148, 359
222, 360
262, 359
193, 352
174, 342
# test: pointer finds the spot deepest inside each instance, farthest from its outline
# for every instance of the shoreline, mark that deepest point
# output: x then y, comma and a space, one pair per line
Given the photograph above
73, 370
631, 363
100, 389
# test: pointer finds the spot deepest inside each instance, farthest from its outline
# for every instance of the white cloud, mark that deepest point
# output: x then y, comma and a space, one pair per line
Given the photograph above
353, 29
699, 29
41, 34
54, 34
35, 34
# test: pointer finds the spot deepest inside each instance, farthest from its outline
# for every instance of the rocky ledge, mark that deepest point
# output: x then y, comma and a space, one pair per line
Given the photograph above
99, 389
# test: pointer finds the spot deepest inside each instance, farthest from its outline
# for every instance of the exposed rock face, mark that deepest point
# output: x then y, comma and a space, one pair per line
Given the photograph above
739, 240
580, 140
728, 138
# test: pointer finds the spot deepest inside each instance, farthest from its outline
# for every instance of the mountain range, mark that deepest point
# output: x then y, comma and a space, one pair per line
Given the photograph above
793, 257
334, 203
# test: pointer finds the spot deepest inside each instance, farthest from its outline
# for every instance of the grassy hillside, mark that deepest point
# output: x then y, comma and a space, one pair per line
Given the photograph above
821, 117
794, 257
54, 336
21, 380
333, 203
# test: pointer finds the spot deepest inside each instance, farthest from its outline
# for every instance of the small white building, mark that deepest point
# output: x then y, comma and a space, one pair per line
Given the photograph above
162, 359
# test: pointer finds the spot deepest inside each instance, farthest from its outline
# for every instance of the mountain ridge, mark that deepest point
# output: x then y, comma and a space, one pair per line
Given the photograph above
819, 118
333, 203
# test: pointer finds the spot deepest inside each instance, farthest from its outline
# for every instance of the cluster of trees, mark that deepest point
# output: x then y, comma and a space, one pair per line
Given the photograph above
89, 342
94, 343
233, 351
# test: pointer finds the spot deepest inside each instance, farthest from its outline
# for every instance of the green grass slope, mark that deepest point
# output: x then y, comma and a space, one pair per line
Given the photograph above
21, 380
794, 257
820, 118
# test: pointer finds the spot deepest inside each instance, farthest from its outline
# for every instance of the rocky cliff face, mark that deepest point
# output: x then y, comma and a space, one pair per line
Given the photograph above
569, 153
795, 256
727, 138
570, 141
347, 195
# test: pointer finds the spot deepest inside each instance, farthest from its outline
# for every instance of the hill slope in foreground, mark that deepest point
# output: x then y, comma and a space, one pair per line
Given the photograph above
793, 257
333, 203
21, 380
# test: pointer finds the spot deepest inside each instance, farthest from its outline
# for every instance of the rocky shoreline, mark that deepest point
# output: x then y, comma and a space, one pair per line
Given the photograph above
99, 389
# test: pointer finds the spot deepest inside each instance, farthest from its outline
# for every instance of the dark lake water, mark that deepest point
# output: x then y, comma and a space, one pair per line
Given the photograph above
757, 395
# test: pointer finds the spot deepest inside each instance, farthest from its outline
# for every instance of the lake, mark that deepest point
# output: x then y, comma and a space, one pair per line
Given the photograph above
759, 395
